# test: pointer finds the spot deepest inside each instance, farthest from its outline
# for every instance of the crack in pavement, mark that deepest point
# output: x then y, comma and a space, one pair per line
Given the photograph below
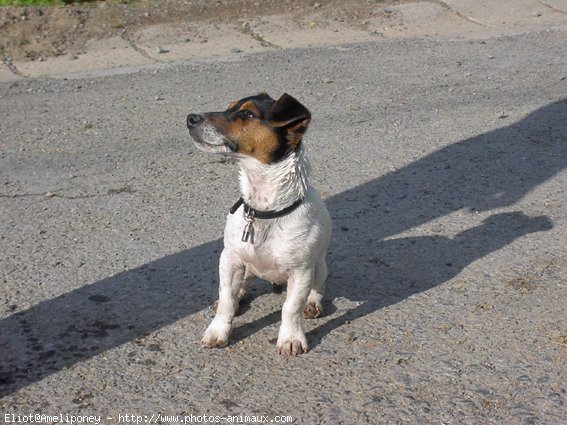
460, 15
246, 28
551, 7
126, 37
13, 68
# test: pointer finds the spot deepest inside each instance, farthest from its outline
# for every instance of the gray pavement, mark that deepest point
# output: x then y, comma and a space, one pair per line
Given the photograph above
442, 161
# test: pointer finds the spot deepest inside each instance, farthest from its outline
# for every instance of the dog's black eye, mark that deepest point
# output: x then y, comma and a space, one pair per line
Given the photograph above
246, 114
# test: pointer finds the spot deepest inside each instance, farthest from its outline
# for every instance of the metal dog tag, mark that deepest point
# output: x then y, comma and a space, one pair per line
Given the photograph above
248, 233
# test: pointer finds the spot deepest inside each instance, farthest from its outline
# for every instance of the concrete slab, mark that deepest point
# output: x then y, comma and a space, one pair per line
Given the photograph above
167, 43
99, 54
510, 15
284, 32
176, 42
424, 19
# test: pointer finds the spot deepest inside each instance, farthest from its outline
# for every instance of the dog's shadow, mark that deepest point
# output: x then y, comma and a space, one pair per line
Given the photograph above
482, 173
368, 265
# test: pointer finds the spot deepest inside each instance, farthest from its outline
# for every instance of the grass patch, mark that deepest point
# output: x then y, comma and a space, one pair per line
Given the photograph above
30, 2
40, 2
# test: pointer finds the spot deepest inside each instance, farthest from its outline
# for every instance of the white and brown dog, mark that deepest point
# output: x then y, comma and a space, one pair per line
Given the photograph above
280, 229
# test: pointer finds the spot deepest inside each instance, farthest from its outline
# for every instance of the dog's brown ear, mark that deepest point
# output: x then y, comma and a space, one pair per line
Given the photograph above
288, 113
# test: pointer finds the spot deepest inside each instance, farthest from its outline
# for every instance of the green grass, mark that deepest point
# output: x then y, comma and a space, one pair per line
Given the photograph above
30, 2
39, 2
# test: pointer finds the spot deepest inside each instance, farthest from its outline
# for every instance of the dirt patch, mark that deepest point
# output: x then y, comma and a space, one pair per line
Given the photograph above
36, 33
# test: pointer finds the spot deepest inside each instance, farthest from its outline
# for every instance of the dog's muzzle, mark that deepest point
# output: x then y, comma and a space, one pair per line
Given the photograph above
206, 136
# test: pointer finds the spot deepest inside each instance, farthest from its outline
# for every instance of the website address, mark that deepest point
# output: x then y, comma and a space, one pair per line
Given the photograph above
159, 418
203, 419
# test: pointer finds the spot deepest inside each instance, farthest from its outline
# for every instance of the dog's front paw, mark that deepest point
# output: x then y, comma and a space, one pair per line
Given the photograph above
292, 346
215, 336
313, 310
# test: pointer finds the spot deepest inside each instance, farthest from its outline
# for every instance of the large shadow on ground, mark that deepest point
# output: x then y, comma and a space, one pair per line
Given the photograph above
482, 173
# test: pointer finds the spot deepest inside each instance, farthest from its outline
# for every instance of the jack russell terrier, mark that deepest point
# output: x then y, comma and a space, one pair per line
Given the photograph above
280, 229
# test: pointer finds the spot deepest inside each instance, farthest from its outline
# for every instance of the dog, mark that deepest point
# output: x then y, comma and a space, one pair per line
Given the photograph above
280, 229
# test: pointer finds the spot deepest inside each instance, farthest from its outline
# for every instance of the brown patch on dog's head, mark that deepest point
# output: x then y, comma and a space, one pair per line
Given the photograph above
261, 127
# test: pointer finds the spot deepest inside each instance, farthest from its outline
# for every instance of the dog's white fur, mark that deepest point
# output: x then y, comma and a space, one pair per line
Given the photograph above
288, 249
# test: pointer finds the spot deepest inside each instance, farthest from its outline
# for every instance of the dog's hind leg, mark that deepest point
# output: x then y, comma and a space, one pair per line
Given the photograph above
232, 277
314, 306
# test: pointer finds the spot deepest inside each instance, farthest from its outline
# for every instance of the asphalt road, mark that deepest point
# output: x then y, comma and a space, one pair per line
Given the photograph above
443, 166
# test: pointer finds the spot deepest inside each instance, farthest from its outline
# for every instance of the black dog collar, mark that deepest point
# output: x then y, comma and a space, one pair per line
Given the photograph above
264, 215
251, 214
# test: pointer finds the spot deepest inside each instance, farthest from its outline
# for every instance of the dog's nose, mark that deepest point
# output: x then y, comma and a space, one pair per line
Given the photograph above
194, 120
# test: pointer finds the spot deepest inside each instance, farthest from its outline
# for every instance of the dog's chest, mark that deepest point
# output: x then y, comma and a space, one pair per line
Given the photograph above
267, 268
265, 253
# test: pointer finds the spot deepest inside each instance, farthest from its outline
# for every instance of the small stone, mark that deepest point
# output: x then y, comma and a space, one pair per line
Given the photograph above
49, 194
317, 5
72, 56
537, 14
162, 50
236, 50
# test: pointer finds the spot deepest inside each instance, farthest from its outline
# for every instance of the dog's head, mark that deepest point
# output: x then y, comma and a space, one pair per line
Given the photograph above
256, 126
